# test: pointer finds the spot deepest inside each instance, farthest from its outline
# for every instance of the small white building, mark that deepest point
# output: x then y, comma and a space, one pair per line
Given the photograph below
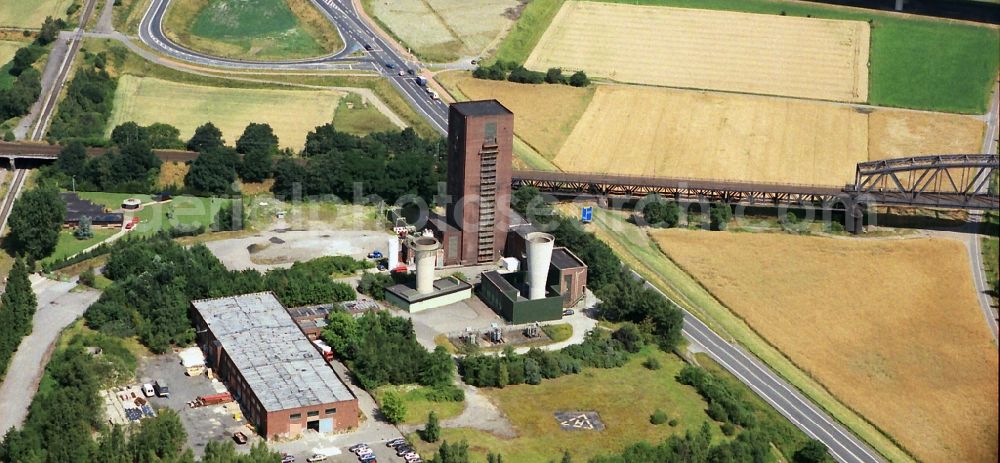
193, 361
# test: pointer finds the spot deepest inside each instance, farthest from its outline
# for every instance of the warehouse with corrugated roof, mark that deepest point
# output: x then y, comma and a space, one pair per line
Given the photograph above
272, 369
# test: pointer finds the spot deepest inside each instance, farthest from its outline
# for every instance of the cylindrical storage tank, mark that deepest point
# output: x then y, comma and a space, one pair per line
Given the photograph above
393, 253
539, 256
425, 252
131, 203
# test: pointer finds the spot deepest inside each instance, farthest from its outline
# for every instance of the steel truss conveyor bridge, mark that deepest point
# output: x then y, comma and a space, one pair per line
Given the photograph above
959, 181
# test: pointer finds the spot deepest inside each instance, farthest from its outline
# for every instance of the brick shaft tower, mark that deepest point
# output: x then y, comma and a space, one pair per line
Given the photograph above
480, 153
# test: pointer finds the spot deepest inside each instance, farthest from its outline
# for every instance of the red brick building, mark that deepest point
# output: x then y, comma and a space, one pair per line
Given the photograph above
480, 155
275, 373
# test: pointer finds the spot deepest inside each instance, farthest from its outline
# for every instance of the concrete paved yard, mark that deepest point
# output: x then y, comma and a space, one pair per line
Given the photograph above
276, 248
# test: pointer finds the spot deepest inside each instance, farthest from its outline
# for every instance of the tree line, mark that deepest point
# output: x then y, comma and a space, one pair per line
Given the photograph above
661, 213
155, 279
27, 86
598, 350
515, 72
17, 308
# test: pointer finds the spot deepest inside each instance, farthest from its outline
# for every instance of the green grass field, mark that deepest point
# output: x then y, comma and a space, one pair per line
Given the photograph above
68, 244
291, 113
31, 13
181, 212
259, 29
915, 62
7, 50
357, 117
624, 397
417, 405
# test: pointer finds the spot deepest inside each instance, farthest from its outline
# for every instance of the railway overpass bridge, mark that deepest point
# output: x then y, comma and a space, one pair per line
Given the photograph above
959, 181
34, 153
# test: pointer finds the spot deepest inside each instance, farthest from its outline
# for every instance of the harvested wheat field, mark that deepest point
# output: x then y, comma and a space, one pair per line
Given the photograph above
921, 133
707, 135
718, 50
891, 327
291, 113
445, 30
544, 115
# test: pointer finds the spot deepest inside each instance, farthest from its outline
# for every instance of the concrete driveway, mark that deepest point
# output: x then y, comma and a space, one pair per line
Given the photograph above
58, 307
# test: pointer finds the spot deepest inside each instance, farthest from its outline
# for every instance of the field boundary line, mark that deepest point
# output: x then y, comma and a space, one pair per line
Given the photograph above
454, 34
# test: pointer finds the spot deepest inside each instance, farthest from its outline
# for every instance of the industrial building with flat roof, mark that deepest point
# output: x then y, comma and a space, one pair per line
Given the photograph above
276, 374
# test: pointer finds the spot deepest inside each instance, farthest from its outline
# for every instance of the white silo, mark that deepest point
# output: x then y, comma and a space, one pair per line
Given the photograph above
393, 253
425, 253
539, 256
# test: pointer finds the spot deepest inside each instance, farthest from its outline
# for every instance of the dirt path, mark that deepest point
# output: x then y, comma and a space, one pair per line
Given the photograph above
480, 413
105, 20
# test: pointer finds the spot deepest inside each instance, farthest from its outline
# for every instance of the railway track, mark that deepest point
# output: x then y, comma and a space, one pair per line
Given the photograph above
12, 193
50, 99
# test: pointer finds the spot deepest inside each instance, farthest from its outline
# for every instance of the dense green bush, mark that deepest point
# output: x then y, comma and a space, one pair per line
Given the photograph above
382, 349
658, 417
598, 350
388, 165
374, 284
84, 112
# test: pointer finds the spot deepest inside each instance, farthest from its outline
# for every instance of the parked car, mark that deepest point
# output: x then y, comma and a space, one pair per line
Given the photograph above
354, 448
369, 458
364, 453
395, 442
161, 388
239, 437
403, 450
568, 312
286, 458
147, 390
316, 457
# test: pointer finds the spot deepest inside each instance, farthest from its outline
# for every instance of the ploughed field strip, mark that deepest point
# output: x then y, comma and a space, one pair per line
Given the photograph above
718, 50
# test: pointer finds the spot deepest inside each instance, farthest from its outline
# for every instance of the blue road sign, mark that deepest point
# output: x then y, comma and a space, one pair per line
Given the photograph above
587, 214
